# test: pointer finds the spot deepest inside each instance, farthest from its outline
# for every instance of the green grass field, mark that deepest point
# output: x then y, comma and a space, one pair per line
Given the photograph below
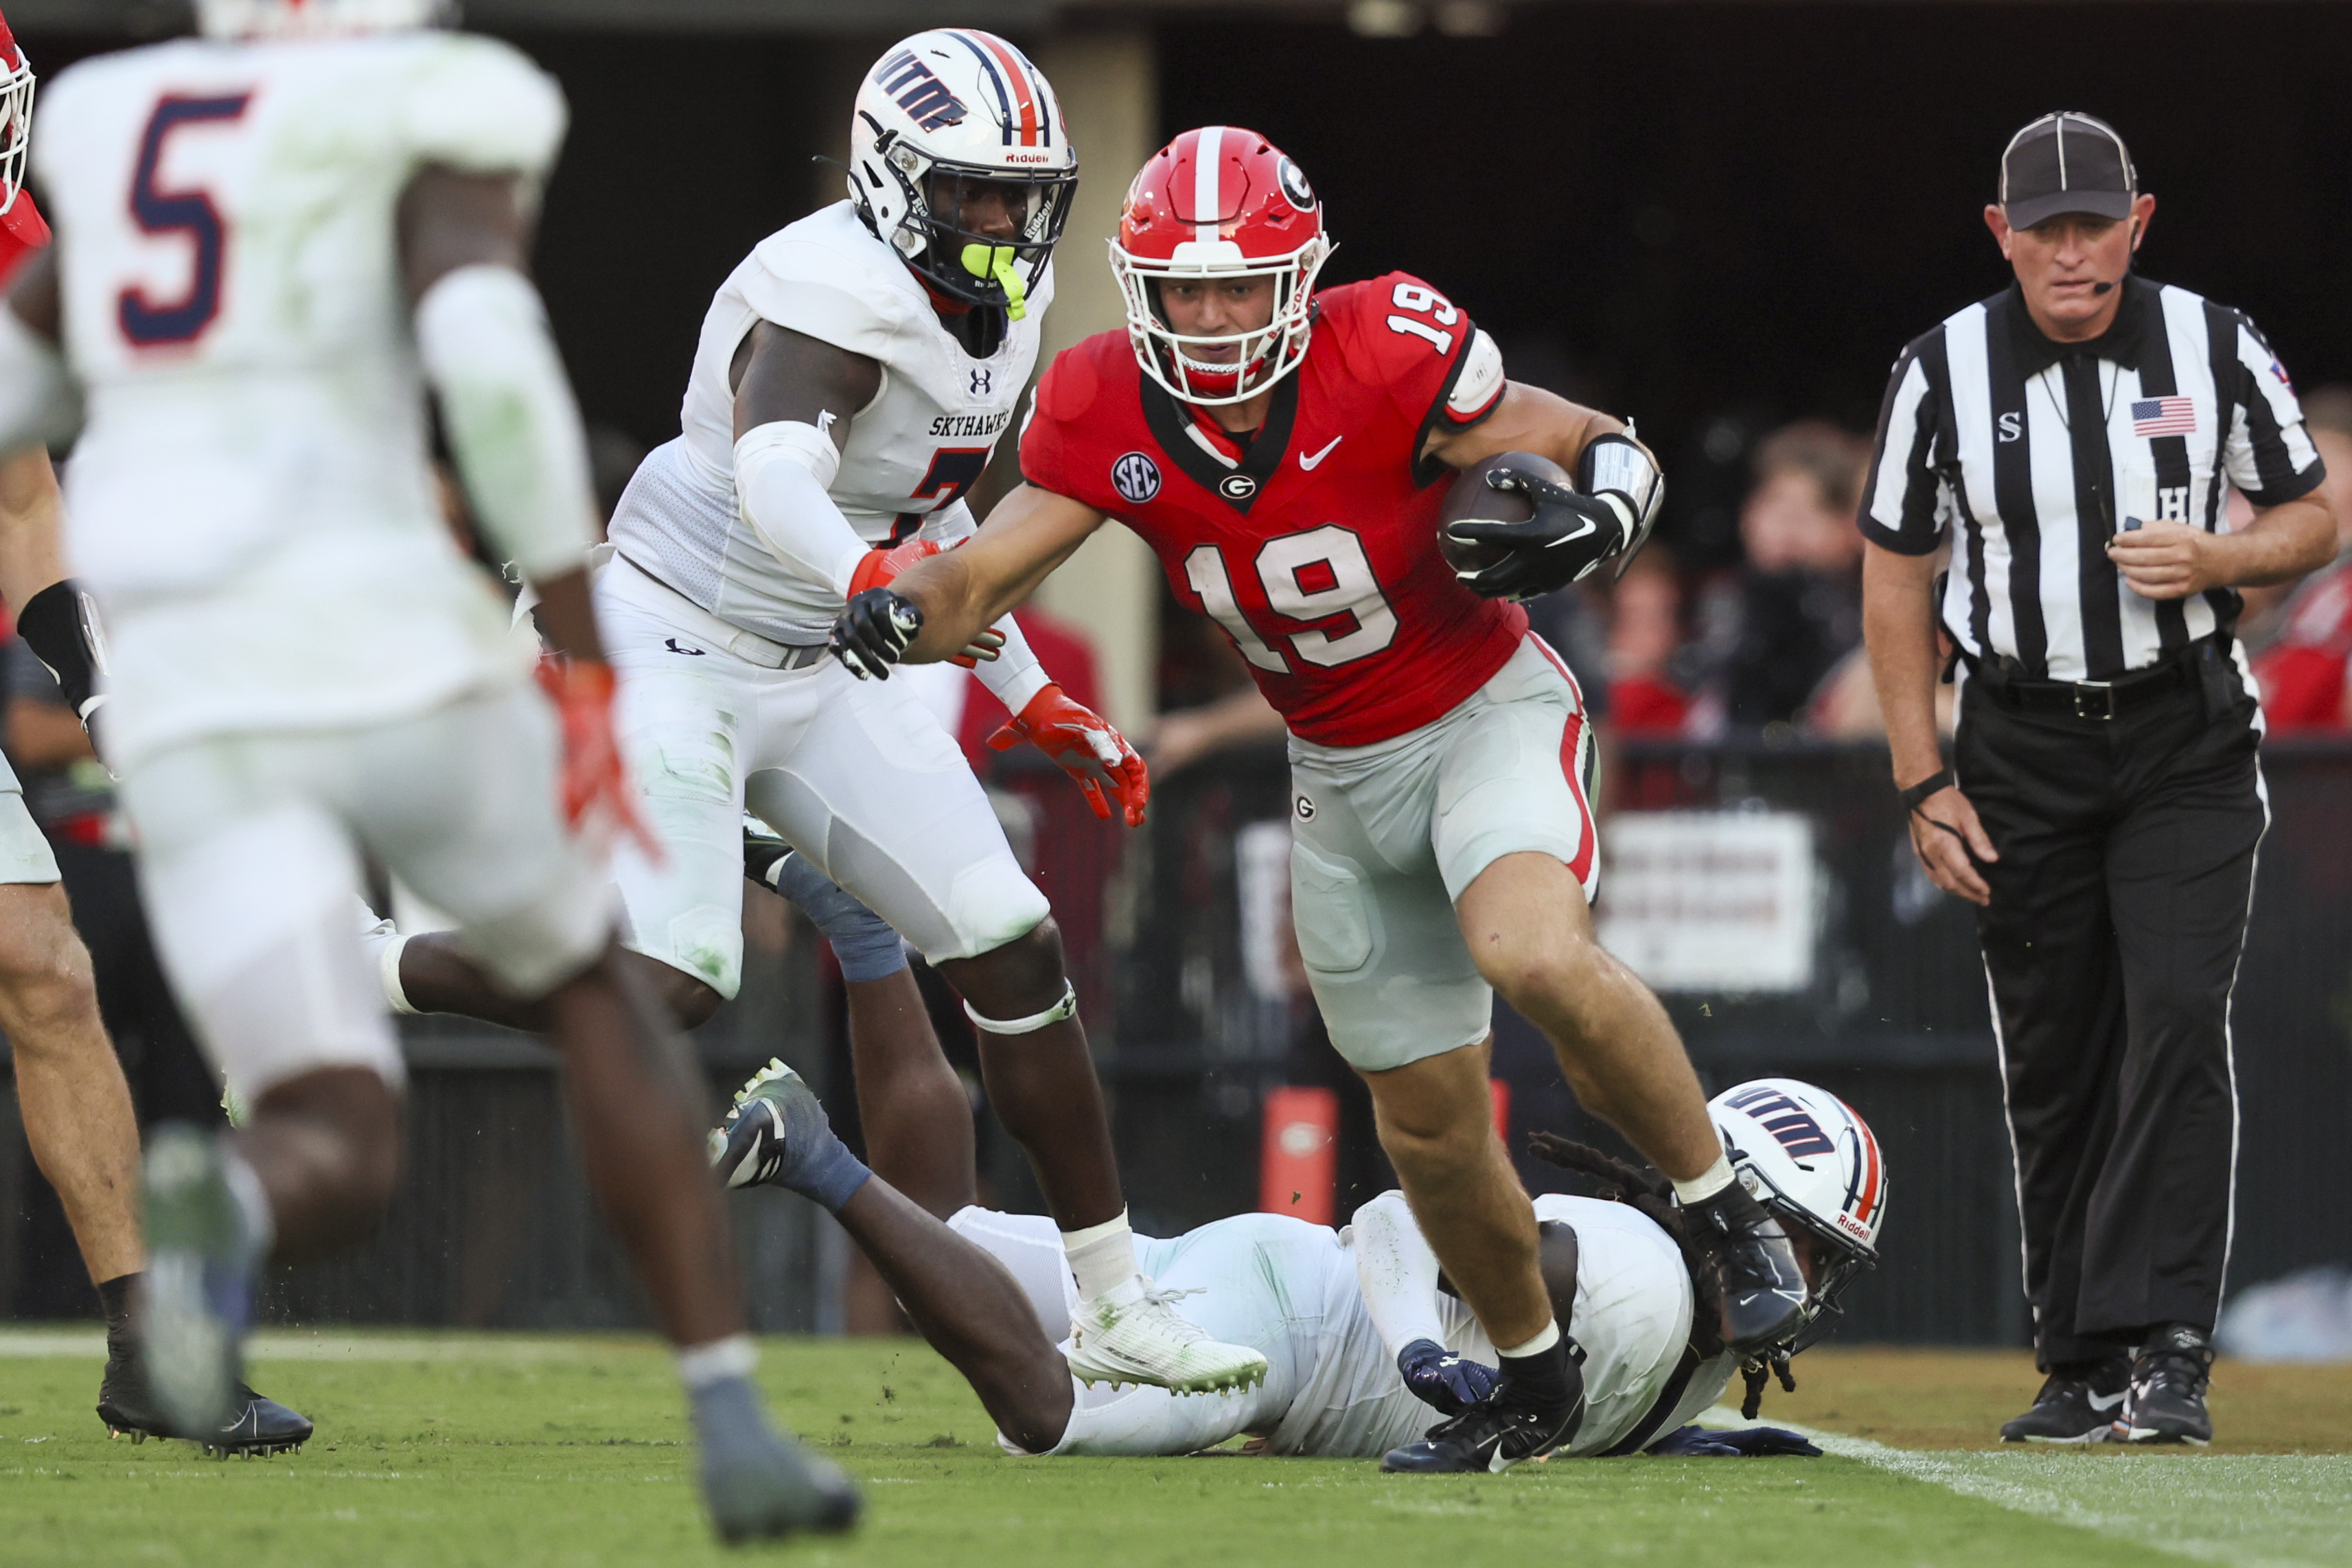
513, 1450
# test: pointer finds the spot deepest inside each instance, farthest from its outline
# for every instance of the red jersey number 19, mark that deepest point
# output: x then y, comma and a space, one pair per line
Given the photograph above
1312, 576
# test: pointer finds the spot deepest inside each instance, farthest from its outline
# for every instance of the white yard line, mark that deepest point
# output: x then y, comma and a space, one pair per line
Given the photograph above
2255, 1510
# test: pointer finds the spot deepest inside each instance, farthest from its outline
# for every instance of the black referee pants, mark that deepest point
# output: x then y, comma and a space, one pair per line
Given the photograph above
2119, 911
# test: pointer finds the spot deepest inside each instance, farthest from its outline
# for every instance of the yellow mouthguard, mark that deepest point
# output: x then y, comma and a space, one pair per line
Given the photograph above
996, 261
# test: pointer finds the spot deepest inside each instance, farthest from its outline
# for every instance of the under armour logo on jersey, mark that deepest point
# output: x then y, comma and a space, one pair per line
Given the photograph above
1136, 478
671, 644
981, 382
1237, 487
2013, 426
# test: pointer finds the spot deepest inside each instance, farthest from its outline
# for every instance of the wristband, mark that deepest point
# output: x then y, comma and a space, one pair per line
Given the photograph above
58, 626
1917, 796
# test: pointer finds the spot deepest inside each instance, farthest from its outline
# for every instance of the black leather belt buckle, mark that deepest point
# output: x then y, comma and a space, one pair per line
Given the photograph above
2094, 699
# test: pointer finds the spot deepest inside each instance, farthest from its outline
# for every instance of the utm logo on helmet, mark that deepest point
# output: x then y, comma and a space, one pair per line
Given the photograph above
1219, 202
950, 122
15, 115
1811, 1161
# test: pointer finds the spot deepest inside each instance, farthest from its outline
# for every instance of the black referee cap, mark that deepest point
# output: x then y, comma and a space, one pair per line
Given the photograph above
2066, 163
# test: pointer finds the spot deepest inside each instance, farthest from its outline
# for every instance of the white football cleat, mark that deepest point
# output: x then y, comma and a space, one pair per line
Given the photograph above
1137, 1336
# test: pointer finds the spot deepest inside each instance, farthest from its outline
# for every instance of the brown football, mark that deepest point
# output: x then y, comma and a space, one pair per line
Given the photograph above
1468, 497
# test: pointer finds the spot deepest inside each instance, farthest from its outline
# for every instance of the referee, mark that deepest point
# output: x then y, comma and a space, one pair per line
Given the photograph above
2073, 439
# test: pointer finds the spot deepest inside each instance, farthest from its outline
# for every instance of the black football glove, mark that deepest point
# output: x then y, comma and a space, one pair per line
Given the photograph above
1746, 1443
1442, 1380
1569, 534
876, 629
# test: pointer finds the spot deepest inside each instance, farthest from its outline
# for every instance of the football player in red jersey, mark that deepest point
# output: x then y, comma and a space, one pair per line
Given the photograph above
1280, 450
78, 1113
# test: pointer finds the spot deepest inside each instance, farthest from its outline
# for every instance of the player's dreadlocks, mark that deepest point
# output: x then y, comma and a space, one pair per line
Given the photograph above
1648, 1192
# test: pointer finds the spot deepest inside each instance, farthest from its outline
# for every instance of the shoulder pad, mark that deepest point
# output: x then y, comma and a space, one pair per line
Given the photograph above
1480, 382
811, 282
1072, 382
480, 105
24, 224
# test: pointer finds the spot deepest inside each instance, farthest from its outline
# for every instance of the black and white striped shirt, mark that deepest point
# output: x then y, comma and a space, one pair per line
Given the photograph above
2033, 454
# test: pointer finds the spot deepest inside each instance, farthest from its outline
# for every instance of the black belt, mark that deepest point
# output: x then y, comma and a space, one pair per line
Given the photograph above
2099, 701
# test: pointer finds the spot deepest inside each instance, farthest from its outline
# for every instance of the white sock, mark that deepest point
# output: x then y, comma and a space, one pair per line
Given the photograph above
1707, 1182
1102, 1256
700, 1366
385, 945
1537, 1346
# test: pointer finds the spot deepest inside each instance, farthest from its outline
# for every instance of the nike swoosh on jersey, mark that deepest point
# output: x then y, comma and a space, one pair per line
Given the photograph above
1307, 462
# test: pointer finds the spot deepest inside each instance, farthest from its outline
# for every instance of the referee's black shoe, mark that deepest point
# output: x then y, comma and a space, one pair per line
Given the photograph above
2165, 1401
2079, 1402
1533, 1410
1755, 1269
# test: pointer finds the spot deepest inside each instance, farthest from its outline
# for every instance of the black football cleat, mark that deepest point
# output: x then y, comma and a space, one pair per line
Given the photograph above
1755, 1269
765, 851
1497, 1432
2166, 1401
260, 1427
2078, 1403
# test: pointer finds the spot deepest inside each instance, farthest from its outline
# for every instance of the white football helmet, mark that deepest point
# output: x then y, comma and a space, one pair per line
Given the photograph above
15, 115
943, 112
1809, 1159
316, 18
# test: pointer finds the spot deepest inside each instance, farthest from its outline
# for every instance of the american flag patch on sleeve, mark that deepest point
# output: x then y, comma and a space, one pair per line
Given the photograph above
2153, 416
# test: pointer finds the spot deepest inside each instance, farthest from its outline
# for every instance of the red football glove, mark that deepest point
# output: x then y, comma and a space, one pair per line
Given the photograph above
880, 566
593, 781
1087, 747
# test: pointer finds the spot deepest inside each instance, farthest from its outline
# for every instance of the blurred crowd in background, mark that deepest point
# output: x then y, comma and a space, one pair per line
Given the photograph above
1749, 625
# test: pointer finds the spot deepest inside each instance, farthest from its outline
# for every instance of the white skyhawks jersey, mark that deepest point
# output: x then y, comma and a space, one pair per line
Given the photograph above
251, 499
912, 453
1632, 1318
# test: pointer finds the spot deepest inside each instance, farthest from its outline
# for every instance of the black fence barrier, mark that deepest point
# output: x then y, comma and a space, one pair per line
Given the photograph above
1177, 938
1893, 1019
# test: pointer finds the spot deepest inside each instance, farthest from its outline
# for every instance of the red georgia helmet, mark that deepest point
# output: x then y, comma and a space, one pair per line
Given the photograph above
1220, 202
15, 115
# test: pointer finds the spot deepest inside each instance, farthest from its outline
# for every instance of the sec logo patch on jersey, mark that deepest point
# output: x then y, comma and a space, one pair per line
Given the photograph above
1136, 478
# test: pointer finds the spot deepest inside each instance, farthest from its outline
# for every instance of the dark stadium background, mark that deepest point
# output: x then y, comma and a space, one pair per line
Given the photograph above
1683, 210
1714, 216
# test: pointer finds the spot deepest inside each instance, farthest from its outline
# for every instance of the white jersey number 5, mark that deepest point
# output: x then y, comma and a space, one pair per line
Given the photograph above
1310, 577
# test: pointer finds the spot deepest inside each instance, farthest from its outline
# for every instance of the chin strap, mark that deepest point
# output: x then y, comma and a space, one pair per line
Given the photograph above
1067, 1007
